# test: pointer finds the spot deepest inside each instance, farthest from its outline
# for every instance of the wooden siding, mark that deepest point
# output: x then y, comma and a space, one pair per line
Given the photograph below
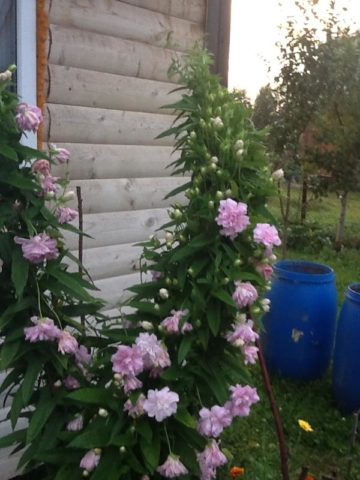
106, 81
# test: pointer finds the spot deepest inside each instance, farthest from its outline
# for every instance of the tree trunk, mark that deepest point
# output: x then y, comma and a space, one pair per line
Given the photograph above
341, 224
286, 214
304, 193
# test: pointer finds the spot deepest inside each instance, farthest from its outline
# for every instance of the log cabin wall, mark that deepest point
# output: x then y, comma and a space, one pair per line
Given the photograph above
107, 78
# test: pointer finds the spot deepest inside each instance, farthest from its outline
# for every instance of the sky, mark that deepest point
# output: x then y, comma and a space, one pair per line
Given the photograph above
254, 33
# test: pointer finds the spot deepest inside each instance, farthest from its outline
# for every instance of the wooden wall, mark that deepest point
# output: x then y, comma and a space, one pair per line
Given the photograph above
107, 78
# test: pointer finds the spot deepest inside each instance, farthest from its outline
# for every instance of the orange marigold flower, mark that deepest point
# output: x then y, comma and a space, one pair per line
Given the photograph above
309, 477
237, 472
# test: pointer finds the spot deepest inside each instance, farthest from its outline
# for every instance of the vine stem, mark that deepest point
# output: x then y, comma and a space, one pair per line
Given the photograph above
283, 450
38, 298
167, 438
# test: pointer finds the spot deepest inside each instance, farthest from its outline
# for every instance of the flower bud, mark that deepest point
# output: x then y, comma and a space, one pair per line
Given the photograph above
122, 449
175, 282
156, 307
219, 195
70, 195
225, 280
97, 451
228, 192
146, 325
238, 262
168, 281
212, 167
278, 174
211, 204
164, 293
193, 135
103, 413
169, 237
85, 473
214, 160
203, 170
239, 153
256, 310
117, 377
190, 271
58, 384
177, 213
239, 144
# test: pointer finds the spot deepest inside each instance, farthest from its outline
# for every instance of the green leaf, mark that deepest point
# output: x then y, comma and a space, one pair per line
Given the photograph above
224, 297
32, 372
8, 152
185, 347
94, 396
214, 318
183, 416
12, 438
92, 438
178, 190
44, 409
151, 452
71, 283
67, 472
8, 352
143, 428
10, 312
111, 466
16, 407
19, 271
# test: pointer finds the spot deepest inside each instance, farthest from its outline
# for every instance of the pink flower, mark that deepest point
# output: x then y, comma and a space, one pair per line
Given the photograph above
155, 275
232, 217
187, 327
161, 403
265, 271
210, 459
90, 461
65, 215
76, 424
212, 422
250, 353
1, 264
154, 353
67, 343
49, 185
171, 323
245, 294
71, 383
28, 117
131, 383
61, 155
127, 361
137, 409
82, 356
172, 467
241, 399
44, 330
38, 249
267, 235
41, 166
242, 334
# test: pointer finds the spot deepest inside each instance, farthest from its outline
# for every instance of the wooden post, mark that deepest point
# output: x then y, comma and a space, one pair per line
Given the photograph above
218, 16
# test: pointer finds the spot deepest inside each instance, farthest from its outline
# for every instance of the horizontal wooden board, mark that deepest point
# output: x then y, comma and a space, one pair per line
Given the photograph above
116, 195
103, 53
115, 161
64, 123
110, 261
118, 227
193, 10
119, 19
76, 86
114, 290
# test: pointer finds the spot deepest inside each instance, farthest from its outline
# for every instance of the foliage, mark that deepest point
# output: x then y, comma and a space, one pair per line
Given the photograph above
35, 283
189, 312
264, 108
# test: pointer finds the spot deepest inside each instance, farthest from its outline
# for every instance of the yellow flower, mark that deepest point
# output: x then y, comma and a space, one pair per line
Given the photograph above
305, 426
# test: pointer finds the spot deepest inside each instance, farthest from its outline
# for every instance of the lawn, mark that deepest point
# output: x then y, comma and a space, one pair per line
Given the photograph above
252, 441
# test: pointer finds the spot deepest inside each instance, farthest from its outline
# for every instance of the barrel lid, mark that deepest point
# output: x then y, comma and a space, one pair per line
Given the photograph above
353, 292
304, 271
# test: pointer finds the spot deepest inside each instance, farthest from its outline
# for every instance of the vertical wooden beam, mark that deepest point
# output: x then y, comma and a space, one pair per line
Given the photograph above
218, 17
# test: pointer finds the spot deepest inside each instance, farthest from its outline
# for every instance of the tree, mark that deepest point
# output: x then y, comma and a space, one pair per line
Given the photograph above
264, 108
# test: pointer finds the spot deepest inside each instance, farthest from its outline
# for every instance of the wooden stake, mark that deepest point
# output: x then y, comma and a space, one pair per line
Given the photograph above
81, 242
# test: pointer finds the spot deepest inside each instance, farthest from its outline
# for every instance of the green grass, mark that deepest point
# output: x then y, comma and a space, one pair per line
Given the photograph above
252, 441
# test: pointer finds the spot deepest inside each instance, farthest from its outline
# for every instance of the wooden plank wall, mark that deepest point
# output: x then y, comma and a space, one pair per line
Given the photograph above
107, 78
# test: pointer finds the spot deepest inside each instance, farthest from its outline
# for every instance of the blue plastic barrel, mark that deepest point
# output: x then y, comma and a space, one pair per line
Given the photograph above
346, 368
299, 330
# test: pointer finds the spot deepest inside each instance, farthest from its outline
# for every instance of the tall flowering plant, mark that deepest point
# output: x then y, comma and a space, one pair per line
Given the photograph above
44, 350
176, 372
